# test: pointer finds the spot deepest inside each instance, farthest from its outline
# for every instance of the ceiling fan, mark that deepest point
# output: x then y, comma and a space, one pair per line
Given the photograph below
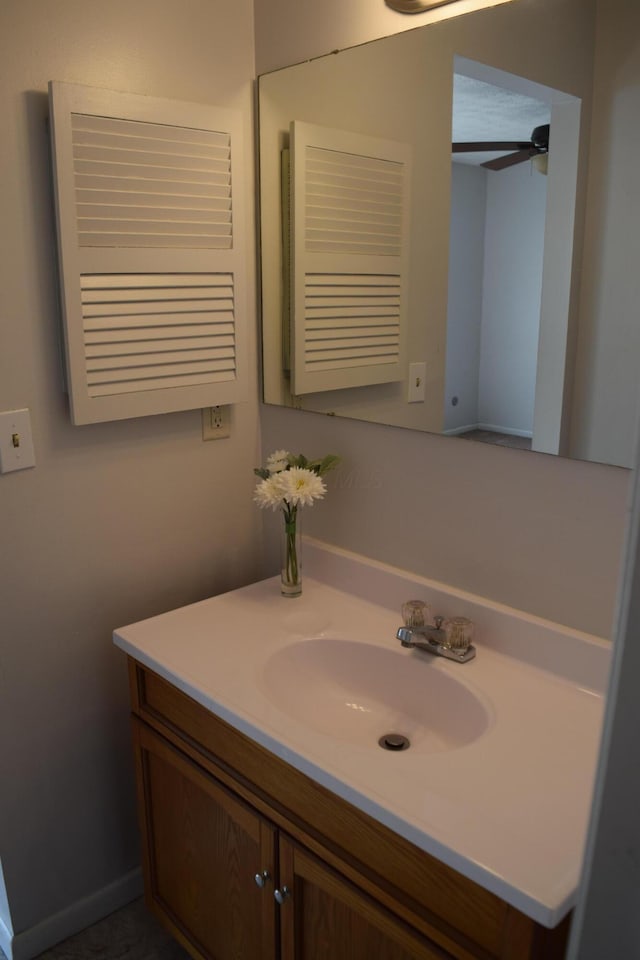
522, 149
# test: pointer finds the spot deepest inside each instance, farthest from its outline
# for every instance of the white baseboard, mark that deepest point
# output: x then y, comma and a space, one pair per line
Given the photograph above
29, 943
454, 431
490, 427
510, 431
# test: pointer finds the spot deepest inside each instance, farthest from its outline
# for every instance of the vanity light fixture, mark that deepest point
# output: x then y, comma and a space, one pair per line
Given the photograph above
419, 6
415, 6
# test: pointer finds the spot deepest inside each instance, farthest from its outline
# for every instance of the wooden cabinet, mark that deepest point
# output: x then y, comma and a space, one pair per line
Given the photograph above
203, 847
328, 918
217, 811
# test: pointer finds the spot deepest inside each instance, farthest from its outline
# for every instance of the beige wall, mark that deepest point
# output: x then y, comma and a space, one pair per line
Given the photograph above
606, 922
528, 530
607, 395
537, 532
289, 31
117, 521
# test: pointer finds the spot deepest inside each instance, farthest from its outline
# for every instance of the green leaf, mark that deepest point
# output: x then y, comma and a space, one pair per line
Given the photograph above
262, 472
320, 466
327, 463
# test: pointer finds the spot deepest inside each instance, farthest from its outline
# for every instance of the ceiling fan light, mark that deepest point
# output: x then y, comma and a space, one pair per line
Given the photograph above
541, 163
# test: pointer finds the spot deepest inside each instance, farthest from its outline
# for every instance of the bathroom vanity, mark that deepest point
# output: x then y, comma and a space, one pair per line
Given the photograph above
274, 825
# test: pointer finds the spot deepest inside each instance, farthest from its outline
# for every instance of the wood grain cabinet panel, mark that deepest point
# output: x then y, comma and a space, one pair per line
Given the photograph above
216, 809
202, 850
324, 917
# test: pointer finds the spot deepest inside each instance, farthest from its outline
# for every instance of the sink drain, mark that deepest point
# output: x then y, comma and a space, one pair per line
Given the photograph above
394, 741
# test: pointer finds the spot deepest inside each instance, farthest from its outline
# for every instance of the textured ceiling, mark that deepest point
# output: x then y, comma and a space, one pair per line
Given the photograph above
482, 111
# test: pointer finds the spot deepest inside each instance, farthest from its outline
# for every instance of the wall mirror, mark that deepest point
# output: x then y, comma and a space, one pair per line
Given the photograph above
426, 262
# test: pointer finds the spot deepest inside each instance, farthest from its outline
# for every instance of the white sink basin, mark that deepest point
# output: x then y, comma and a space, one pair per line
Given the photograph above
497, 782
357, 692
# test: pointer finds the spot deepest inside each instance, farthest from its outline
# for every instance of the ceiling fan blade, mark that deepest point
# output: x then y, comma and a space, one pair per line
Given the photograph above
501, 163
490, 146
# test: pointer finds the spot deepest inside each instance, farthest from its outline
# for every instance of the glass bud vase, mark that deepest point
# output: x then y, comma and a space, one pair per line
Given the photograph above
290, 555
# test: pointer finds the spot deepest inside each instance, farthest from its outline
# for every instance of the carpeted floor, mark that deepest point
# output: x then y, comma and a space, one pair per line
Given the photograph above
129, 934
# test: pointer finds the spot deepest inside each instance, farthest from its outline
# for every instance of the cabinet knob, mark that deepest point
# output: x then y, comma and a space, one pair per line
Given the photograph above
281, 895
261, 878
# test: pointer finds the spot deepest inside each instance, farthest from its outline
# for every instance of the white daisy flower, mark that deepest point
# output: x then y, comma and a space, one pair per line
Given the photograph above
268, 493
300, 487
278, 461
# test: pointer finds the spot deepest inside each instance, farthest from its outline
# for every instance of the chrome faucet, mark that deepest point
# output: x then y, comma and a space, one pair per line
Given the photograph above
452, 641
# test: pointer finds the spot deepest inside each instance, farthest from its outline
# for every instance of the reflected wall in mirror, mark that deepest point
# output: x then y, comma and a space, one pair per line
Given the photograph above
486, 328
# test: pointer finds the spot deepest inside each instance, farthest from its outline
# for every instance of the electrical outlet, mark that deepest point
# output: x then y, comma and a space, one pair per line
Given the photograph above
216, 422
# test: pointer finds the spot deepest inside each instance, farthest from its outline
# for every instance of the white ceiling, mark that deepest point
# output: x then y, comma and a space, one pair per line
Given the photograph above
482, 111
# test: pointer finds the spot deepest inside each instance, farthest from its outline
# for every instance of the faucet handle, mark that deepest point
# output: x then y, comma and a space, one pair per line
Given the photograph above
414, 613
459, 632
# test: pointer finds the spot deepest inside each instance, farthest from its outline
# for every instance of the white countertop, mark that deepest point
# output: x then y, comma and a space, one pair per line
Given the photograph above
508, 810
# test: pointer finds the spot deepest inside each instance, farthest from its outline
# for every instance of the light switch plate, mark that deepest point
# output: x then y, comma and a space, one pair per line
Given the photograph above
417, 382
16, 442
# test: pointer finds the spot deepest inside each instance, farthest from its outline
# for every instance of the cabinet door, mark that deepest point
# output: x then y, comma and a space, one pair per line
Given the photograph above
325, 917
202, 848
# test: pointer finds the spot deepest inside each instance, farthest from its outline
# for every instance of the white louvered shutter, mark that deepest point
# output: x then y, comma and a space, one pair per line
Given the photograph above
349, 247
151, 255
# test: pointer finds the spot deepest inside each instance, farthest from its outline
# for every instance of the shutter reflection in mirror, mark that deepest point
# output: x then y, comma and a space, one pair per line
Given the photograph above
349, 226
